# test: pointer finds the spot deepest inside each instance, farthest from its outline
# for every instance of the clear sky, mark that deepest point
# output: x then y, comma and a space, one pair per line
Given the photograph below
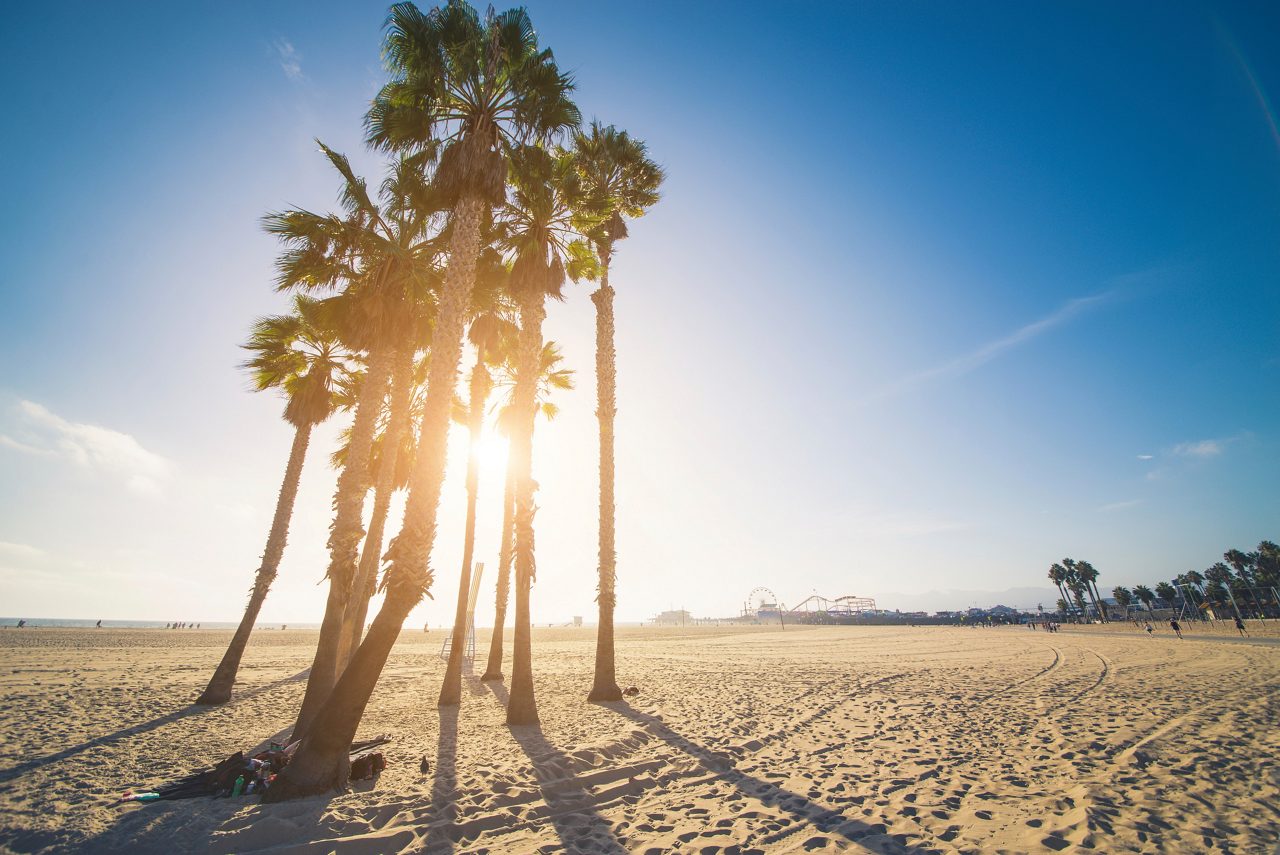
937, 295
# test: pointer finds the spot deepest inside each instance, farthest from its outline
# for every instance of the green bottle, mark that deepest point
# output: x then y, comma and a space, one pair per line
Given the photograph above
238, 787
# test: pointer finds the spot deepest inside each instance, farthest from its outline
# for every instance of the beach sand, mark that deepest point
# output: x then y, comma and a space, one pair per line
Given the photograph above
912, 740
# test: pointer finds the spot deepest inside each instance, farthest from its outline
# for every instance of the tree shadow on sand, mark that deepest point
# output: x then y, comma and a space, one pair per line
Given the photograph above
570, 804
111, 738
444, 785
801, 809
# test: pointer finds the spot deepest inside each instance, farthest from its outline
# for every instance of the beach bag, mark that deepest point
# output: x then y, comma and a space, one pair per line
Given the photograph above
367, 766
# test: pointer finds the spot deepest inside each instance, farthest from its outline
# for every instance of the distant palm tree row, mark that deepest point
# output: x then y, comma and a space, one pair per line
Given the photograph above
1243, 583
494, 196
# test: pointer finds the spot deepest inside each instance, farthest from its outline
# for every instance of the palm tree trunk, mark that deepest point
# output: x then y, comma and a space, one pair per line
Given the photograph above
366, 581
522, 706
321, 762
1097, 601
344, 536
605, 685
224, 676
493, 671
451, 690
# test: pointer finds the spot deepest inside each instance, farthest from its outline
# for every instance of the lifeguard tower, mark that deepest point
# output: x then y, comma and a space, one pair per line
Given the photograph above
469, 651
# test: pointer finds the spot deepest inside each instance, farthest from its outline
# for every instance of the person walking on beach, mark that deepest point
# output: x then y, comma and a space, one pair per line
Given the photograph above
1150, 630
1240, 627
1177, 630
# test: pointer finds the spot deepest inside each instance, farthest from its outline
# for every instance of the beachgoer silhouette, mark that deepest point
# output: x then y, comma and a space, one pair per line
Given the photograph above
99, 624
1149, 629
1177, 630
21, 623
1240, 626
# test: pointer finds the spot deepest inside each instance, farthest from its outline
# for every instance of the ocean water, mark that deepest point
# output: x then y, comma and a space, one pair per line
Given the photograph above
73, 623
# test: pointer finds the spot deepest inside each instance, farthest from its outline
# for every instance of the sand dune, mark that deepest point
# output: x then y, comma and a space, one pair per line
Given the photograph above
743, 740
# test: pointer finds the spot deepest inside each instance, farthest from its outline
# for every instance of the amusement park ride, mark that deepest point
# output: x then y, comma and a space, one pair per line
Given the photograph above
763, 605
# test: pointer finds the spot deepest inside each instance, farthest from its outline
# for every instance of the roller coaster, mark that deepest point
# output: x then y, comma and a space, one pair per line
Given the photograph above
763, 605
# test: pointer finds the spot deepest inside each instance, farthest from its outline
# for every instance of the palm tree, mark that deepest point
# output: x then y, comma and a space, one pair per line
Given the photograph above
294, 353
480, 87
1073, 582
1078, 590
391, 457
1243, 563
1143, 593
1197, 579
490, 329
1267, 572
1089, 576
1063, 606
384, 254
551, 377
1058, 576
1166, 592
622, 182
1123, 596
539, 220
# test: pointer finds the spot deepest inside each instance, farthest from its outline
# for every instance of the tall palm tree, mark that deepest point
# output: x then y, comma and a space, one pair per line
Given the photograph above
1078, 590
551, 377
390, 459
1058, 576
489, 330
387, 253
622, 182
480, 87
409, 199
539, 219
1143, 593
1166, 592
1089, 575
298, 355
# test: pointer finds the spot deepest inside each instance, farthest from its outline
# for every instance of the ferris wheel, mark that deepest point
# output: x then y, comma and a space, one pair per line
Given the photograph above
761, 599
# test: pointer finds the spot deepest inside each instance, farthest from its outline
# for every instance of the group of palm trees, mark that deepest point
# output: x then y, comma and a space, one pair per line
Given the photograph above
1080, 578
494, 196
1242, 581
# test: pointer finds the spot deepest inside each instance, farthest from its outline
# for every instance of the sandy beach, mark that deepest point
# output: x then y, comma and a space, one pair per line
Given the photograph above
908, 740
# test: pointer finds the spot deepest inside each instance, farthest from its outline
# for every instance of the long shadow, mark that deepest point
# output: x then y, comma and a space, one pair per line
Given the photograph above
444, 786
112, 738
801, 809
578, 823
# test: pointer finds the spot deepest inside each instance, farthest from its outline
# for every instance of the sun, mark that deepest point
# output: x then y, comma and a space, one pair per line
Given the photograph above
491, 452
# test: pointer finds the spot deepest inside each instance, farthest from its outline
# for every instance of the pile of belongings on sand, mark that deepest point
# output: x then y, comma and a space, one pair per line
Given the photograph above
241, 776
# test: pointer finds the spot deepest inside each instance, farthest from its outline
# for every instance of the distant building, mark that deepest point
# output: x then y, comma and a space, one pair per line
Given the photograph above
679, 617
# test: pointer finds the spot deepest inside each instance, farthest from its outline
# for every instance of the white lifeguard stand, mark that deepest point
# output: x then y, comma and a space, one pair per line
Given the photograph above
469, 651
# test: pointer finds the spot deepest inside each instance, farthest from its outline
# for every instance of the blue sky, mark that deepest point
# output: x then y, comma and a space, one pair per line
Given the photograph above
938, 294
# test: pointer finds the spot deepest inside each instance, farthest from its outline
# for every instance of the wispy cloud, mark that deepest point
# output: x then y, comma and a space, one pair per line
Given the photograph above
979, 357
20, 550
1146, 456
1203, 448
1119, 506
290, 59
976, 359
91, 446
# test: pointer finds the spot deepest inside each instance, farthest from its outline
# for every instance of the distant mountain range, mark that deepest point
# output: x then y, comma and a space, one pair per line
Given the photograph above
956, 598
